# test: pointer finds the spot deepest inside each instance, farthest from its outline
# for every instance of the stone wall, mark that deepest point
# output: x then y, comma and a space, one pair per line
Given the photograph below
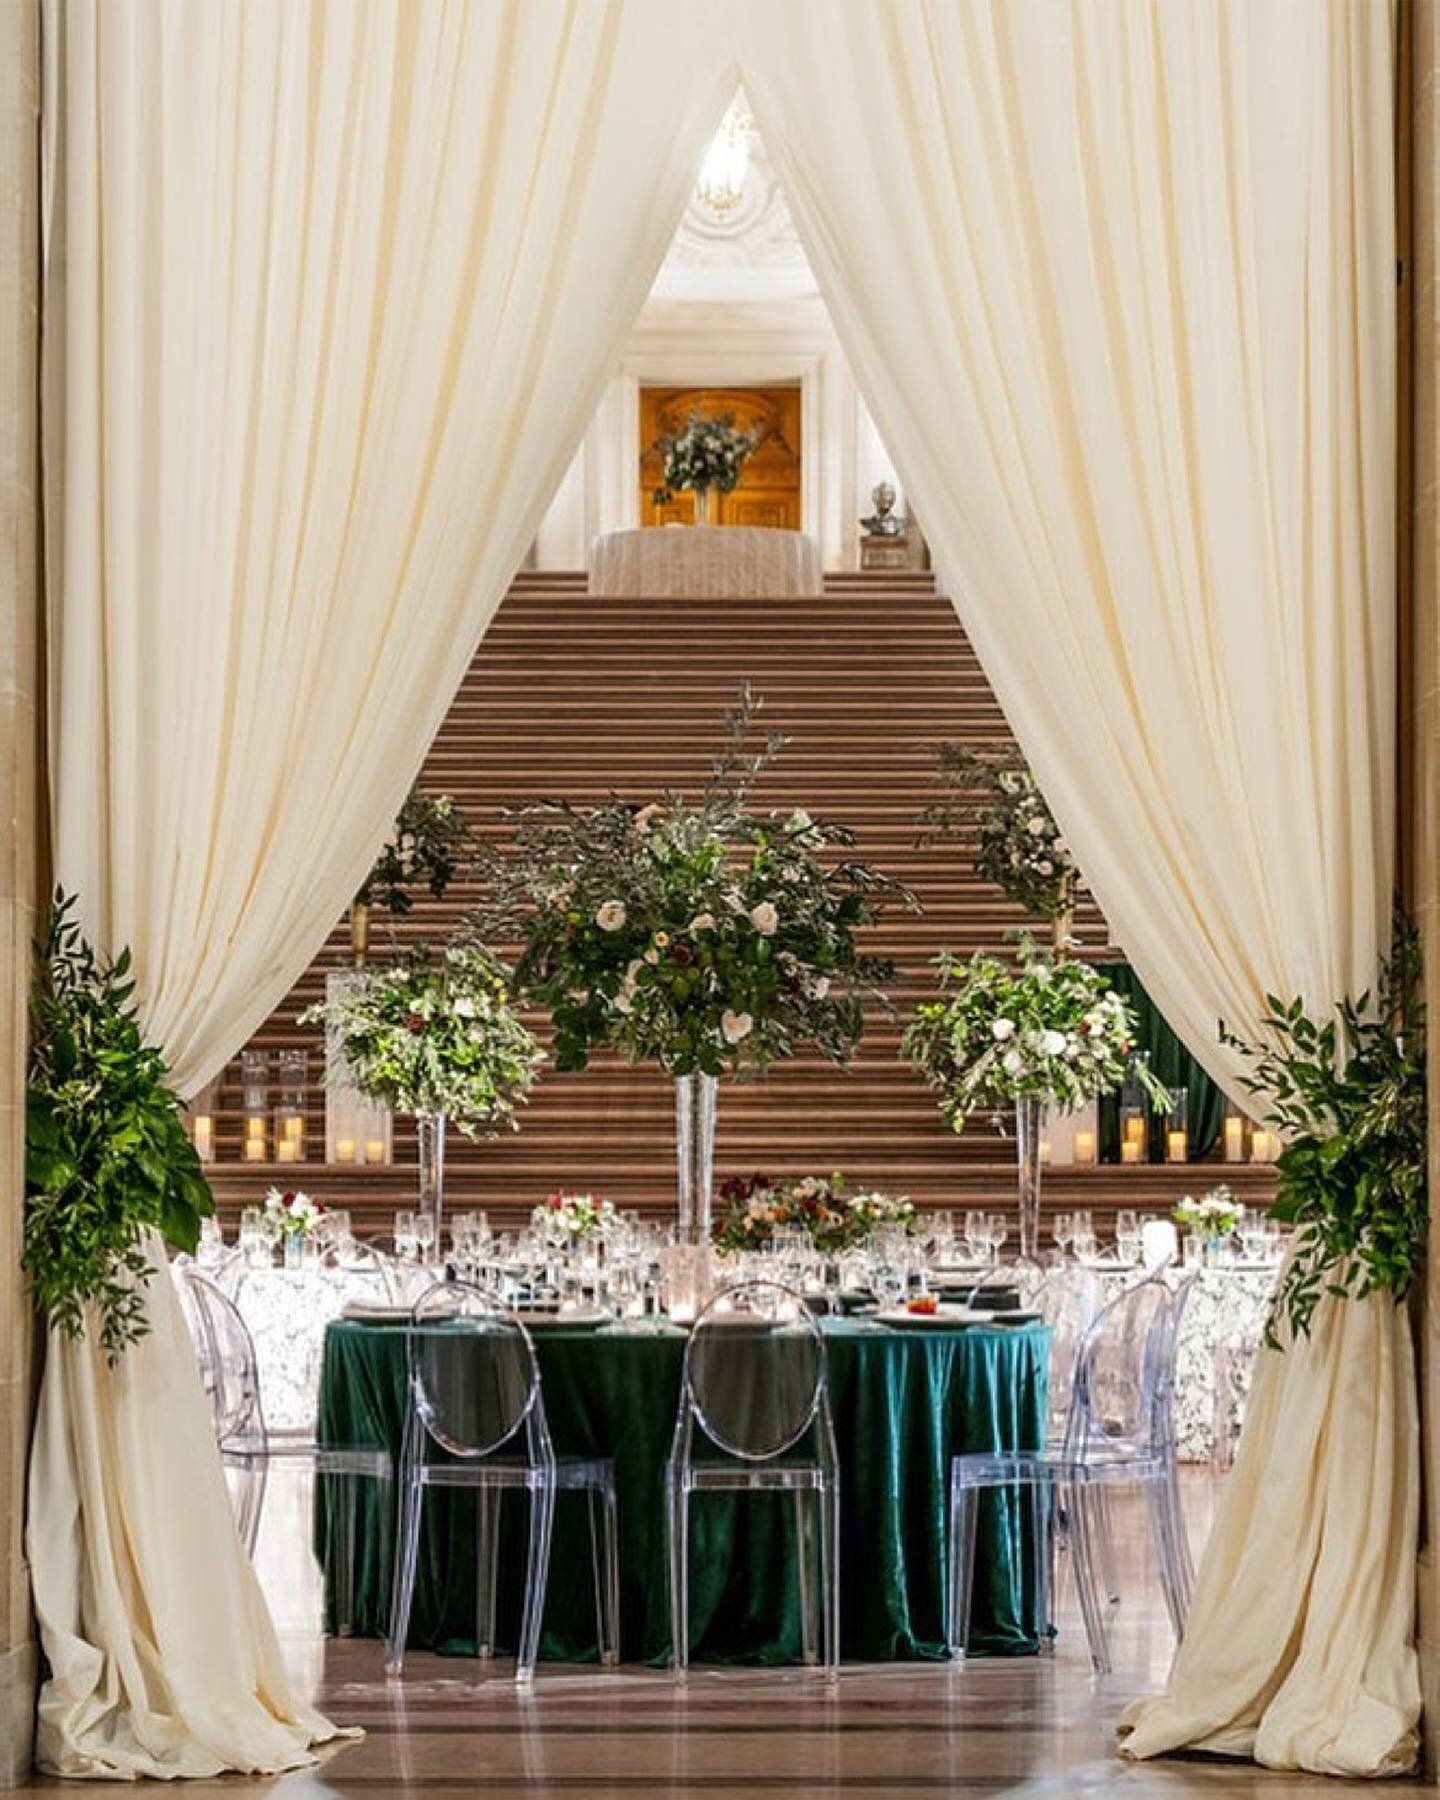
20, 698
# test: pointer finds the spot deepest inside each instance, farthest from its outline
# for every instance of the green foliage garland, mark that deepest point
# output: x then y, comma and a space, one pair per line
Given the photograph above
106, 1153
1348, 1095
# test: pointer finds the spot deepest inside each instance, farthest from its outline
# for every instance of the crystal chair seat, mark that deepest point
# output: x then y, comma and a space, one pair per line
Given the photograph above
758, 1397
1119, 1429
476, 1420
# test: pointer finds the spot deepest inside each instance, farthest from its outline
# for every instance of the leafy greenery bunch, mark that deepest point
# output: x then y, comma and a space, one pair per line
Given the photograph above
1044, 1027
107, 1158
1347, 1093
707, 453
1018, 844
705, 937
435, 1034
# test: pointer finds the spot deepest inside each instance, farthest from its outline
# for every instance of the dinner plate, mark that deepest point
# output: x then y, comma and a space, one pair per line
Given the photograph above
945, 1316
1016, 1315
372, 1312
554, 1319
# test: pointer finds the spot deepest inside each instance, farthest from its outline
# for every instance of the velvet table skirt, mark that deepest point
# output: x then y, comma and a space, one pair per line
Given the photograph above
905, 1402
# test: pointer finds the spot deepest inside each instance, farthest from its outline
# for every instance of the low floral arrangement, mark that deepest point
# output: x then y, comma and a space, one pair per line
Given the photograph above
1041, 1027
435, 1034
574, 1217
291, 1215
756, 1208
1347, 1094
705, 937
707, 453
1213, 1216
107, 1157
429, 843
1019, 846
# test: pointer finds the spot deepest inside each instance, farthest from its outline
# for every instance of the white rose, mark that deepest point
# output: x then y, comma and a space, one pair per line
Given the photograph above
820, 987
701, 922
1035, 826
464, 1007
1052, 1042
1002, 1029
1013, 1062
736, 1026
1060, 847
611, 915
652, 955
764, 918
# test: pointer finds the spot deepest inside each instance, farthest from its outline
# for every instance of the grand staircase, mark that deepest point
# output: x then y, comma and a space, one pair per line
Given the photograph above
575, 696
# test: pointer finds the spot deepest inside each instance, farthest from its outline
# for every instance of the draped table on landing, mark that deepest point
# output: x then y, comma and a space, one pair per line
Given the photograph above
905, 1402
694, 562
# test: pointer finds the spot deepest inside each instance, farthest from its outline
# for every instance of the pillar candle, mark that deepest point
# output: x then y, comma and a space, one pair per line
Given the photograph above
374, 1150
1084, 1146
1130, 1151
1177, 1146
345, 1150
1234, 1138
255, 1149
204, 1137
285, 1150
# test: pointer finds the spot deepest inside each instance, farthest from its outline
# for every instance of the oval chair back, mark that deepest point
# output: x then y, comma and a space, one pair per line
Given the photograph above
473, 1374
755, 1372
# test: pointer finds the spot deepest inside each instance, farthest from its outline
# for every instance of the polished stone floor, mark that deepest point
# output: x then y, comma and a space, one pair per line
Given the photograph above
1039, 1726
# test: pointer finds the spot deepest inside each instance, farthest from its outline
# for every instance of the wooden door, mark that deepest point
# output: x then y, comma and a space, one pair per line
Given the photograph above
768, 492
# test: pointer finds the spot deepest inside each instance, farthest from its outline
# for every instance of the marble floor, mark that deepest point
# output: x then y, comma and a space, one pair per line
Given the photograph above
1014, 1727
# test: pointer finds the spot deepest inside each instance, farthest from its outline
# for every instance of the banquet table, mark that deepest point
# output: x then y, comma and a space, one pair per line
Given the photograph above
704, 561
904, 1402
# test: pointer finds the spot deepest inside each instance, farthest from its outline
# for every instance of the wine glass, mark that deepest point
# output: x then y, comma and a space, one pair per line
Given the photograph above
1128, 1240
407, 1246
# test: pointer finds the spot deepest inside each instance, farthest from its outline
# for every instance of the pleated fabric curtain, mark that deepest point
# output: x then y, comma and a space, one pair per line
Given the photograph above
330, 296
1117, 280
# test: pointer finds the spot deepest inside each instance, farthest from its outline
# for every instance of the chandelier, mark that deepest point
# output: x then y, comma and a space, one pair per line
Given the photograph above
721, 186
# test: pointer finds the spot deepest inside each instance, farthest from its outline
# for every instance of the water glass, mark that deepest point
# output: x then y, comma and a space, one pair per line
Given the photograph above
407, 1244
425, 1236
254, 1235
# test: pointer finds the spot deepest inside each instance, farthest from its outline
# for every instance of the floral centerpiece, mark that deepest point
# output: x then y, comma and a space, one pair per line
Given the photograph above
1019, 846
756, 1208
1213, 1216
293, 1218
574, 1218
429, 843
435, 1036
1038, 1031
706, 937
707, 454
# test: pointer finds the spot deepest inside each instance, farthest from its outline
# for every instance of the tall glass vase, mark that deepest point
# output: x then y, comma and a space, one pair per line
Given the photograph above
695, 1097
1029, 1132
702, 505
430, 1138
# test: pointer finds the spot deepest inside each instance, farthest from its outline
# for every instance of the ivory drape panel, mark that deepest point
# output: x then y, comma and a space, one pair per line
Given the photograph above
330, 295
1117, 280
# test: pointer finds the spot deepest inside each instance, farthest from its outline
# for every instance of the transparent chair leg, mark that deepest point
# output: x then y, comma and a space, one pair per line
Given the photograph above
678, 1532
537, 1566
403, 1586
801, 1502
961, 1583
828, 1503
487, 1567
1105, 1546
1167, 1555
610, 1541
253, 1478
1083, 1551
342, 1490
1184, 1561
1043, 1563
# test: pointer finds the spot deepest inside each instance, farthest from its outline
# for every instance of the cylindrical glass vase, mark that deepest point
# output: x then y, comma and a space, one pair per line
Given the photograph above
702, 505
1029, 1134
695, 1097
430, 1141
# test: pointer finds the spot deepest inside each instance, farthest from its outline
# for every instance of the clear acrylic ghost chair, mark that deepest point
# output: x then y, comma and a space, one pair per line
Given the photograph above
1119, 1428
755, 1384
475, 1396
230, 1374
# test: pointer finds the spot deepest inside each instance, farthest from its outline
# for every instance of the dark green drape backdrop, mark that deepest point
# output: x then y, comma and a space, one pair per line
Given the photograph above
1174, 1065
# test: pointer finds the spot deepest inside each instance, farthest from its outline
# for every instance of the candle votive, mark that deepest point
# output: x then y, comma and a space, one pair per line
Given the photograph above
1177, 1146
345, 1150
1084, 1147
375, 1150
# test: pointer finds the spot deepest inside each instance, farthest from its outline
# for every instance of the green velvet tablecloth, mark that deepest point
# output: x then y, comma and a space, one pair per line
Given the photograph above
904, 1403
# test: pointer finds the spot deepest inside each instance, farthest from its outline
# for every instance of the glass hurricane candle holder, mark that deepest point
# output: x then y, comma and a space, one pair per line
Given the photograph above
1134, 1125
292, 1081
1233, 1134
255, 1104
1177, 1129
